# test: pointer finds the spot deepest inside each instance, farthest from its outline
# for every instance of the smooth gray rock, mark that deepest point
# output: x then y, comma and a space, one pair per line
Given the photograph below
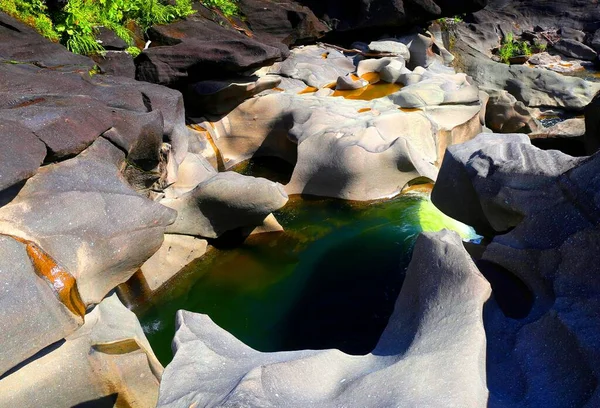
225, 202
391, 46
106, 362
31, 314
435, 337
84, 215
542, 326
504, 114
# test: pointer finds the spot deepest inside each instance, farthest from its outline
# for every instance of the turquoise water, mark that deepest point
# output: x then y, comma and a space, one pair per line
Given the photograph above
329, 281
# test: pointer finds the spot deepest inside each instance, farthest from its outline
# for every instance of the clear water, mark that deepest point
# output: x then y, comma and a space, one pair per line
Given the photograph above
329, 281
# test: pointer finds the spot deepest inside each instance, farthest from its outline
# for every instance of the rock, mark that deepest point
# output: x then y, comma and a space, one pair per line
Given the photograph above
592, 126
425, 50
107, 362
533, 87
21, 155
109, 40
225, 202
571, 34
307, 64
390, 46
347, 82
115, 231
289, 22
575, 49
21, 43
56, 107
176, 252
550, 202
35, 311
220, 97
373, 16
595, 41
566, 136
507, 115
197, 49
378, 64
194, 169
118, 63
515, 159
422, 343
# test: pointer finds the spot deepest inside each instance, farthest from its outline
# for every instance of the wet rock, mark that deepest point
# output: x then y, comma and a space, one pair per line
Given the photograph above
107, 361
422, 343
544, 352
308, 64
505, 114
225, 202
32, 315
575, 49
195, 49
115, 229
21, 155
176, 252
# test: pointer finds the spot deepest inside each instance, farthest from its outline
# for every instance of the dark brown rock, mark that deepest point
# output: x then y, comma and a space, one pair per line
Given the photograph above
21, 154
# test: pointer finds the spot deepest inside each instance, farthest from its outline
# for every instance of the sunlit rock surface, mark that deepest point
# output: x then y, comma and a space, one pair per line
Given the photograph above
106, 362
432, 352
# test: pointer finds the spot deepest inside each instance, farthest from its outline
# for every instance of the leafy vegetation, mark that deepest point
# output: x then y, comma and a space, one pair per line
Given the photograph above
446, 22
76, 25
512, 47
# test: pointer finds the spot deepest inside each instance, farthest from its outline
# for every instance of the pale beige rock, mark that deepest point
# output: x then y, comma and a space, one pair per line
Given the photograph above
176, 252
107, 361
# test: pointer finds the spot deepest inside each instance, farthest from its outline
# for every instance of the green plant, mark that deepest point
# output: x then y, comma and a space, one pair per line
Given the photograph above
32, 13
133, 51
512, 47
229, 8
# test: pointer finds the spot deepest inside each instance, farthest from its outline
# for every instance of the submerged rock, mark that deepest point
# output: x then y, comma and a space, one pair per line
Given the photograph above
107, 361
424, 342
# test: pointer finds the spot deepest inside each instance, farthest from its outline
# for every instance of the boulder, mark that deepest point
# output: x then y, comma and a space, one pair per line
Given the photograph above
225, 202
567, 136
115, 229
197, 49
425, 50
505, 114
106, 362
118, 63
568, 33
575, 49
286, 22
109, 40
391, 46
424, 343
542, 328
308, 64
592, 126
348, 82
595, 41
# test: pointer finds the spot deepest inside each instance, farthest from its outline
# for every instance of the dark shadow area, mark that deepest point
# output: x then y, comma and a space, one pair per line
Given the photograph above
512, 295
102, 402
9, 194
573, 146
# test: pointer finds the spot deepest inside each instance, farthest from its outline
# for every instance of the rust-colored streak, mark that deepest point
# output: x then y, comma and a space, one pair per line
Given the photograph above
307, 90
331, 85
354, 77
29, 103
325, 55
278, 89
213, 144
408, 110
62, 282
363, 110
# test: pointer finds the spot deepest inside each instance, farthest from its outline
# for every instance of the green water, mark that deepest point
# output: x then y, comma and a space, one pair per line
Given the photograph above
330, 280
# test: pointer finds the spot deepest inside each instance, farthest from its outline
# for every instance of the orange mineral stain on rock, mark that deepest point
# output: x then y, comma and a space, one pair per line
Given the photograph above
408, 110
61, 281
307, 90
371, 77
209, 138
325, 55
362, 110
370, 92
